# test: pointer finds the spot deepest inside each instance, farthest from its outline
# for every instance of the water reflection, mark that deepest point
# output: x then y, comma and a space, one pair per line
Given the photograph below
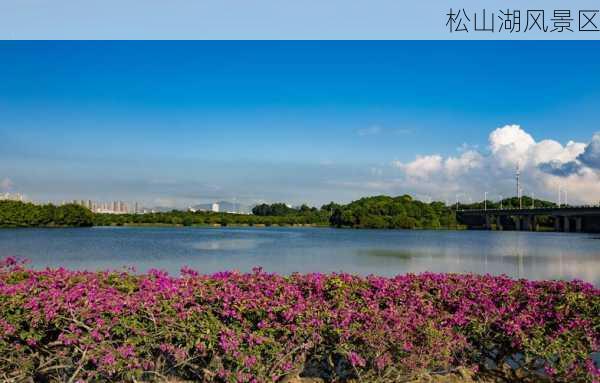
517, 254
405, 255
227, 244
525, 257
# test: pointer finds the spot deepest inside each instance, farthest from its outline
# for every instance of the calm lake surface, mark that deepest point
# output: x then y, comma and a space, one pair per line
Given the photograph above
285, 250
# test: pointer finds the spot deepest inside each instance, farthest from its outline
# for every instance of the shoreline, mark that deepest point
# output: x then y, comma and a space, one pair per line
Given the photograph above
234, 226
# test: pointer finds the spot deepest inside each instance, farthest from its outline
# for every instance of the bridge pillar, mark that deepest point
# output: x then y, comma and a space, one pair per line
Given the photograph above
526, 223
566, 227
517, 220
557, 223
498, 223
488, 222
578, 224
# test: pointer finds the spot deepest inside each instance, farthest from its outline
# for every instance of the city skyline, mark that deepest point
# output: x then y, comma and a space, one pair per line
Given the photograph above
123, 207
310, 122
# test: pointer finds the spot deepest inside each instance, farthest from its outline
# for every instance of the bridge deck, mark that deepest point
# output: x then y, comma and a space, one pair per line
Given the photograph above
556, 211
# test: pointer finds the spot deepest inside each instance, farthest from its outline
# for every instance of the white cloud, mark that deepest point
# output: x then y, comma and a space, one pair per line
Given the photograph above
510, 136
6, 184
421, 168
545, 165
467, 161
427, 167
590, 155
464, 147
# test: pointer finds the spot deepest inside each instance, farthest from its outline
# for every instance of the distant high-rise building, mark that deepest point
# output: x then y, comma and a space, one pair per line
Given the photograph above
215, 207
12, 197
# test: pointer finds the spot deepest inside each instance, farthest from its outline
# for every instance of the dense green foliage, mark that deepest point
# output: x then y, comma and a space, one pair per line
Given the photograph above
280, 209
383, 212
19, 214
187, 218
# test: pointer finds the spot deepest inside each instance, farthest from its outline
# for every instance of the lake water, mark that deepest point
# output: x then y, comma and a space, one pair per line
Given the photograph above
285, 250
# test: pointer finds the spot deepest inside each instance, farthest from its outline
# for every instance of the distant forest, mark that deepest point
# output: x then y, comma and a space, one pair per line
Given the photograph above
380, 212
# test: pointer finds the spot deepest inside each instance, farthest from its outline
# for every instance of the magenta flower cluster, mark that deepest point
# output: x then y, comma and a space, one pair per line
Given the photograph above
62, 325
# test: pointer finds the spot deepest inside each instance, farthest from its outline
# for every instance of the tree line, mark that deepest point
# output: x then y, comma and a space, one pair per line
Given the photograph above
21, 214
188, 218
379, 212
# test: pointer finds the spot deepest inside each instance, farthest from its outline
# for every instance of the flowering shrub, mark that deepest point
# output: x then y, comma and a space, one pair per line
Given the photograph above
61, 325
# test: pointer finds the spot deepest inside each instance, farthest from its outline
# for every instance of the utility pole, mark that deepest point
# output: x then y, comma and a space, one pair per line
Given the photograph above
558, 195
500, 201
520, 198
484, 200
532, 200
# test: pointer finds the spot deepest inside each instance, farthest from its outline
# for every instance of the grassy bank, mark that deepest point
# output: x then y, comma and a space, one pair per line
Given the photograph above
60, 325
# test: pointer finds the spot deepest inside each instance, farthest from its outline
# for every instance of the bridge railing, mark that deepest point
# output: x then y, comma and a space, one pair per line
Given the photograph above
579, 207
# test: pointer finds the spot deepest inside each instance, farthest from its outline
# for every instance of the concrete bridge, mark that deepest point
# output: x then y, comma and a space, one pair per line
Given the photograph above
567, 219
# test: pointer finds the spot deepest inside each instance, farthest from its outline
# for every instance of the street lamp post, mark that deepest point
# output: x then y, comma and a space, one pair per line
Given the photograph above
559, 195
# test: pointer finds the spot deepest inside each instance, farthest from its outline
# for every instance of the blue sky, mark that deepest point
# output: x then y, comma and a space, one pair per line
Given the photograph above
171, 123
